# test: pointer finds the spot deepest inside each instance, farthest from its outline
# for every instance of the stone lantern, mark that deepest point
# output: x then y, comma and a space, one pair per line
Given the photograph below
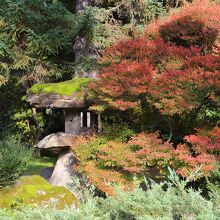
72, 97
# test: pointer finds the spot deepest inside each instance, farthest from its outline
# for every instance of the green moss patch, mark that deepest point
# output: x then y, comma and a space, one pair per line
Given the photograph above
61, 88
35, 191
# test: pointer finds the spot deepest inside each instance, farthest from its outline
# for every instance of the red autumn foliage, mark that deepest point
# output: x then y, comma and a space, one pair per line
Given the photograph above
174, 66
189, 32
200, 11
184, 162
205, 141
205, 151
143, 150
115, 162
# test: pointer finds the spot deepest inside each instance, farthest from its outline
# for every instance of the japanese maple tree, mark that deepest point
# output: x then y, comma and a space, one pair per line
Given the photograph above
174, 65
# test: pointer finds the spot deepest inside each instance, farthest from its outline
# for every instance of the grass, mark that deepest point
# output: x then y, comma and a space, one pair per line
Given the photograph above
62, 88
36, 164
33, 190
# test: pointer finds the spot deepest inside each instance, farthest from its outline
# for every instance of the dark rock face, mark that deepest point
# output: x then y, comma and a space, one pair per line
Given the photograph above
83, 47
81, 4
53, 151
46, 173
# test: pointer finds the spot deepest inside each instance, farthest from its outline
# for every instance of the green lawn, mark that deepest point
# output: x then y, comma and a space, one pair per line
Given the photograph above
36, 164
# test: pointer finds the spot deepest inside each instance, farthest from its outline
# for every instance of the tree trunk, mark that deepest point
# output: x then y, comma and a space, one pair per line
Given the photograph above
83, 47
81, 5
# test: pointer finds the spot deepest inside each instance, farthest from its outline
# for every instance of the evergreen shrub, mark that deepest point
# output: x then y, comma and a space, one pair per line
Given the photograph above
14, 157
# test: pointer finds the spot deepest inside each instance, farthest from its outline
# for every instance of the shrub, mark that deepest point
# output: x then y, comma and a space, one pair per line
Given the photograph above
201, 149
176, 202
14, 157
115, 161
107, 161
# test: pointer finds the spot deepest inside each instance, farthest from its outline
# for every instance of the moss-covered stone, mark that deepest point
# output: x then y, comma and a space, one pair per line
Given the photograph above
35, 191
62, 88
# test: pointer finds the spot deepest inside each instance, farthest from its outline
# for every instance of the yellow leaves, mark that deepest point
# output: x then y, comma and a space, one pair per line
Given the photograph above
97, 108
23, 62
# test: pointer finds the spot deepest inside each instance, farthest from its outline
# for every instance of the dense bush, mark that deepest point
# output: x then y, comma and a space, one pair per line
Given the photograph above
176, 202
14, 157
106, 160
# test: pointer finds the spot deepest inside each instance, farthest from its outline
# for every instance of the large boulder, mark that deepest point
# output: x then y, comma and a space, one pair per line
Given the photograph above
56, 143
63, 173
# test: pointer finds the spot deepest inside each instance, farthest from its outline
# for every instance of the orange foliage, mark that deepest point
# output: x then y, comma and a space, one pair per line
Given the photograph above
205, 141
204, 10
105, 179
205, 146
115, 163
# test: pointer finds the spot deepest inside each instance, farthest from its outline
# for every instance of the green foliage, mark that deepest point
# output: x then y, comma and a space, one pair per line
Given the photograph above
62, 88
154, 203
87, 149
35, 33
214, 182
137, 12
149, 10
28, 124
14, 157
10, 96
118, 132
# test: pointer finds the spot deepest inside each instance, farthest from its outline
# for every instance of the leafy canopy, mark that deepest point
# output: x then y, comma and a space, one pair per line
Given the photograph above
173, 67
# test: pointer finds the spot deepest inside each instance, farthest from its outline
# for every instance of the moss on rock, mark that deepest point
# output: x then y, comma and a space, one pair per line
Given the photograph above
62, 88
35, 191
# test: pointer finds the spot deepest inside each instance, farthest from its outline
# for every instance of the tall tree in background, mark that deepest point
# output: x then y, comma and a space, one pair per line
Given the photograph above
52, 41
83, 46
